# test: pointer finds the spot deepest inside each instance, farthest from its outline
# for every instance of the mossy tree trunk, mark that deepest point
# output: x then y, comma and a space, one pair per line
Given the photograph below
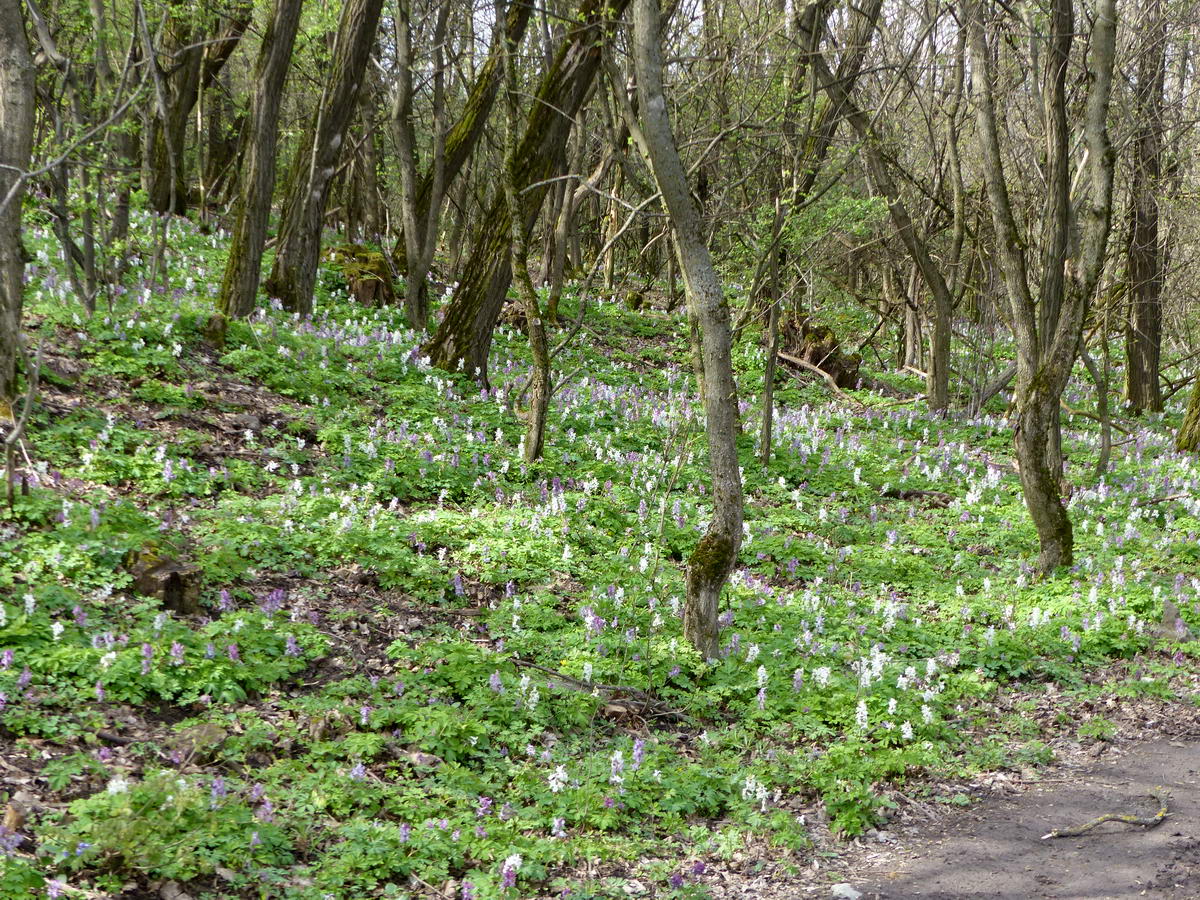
464, 338
1048, 330
239, 287
1188, 438
716, 554
16, 147
294, 273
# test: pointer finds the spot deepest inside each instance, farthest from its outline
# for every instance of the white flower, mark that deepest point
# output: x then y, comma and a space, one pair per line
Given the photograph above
558, 779
821, 675
56, 630
762, 676
906, 731
107, 659
860, 715
926, 714
118, 785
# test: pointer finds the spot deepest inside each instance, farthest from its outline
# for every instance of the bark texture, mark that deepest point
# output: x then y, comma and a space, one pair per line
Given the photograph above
1188, 439
16, 147
239, 287
294, 272
714, 557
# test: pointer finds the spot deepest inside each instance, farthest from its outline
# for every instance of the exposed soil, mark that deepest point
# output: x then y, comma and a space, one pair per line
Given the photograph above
995, 850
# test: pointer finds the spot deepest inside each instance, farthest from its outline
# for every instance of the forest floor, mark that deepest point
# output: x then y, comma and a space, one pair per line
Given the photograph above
292, 619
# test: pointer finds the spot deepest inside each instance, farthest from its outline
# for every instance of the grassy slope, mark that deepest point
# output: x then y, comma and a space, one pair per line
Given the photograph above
394, 684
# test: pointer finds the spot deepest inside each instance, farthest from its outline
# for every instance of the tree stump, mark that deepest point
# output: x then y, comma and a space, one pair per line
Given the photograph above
174, 582
367, 273
818, 346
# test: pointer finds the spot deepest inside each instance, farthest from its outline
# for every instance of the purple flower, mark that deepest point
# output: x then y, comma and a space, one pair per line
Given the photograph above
255, 840
147, 658
6, 659
558, 827
292, 649
495, 683
232, 650
218, 790
484, 808
364, 715
99, 692
468, 891
176, 653
405, 832
358, 773
224, 603
676, 880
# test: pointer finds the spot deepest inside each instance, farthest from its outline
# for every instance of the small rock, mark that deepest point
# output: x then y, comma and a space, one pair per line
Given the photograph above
844, 891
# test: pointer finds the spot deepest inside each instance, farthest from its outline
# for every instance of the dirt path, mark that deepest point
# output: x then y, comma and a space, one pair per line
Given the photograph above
995, 849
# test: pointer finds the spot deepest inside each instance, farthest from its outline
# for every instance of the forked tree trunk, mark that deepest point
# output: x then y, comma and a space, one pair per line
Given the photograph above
298, 251
16, 147
468, 129
716, 554
193, 60
464, 339
1048, 329
243, 269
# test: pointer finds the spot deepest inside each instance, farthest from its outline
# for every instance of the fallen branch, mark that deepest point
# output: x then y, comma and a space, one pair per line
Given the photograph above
1092, 416
936, 498
648, 702
796, 361
1158, 794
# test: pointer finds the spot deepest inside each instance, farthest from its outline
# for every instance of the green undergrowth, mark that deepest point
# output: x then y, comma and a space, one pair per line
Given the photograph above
419, 659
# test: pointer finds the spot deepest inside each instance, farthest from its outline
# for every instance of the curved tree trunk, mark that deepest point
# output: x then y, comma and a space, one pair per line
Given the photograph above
294, 272
16, 147
714, 557
239, 287
464, 339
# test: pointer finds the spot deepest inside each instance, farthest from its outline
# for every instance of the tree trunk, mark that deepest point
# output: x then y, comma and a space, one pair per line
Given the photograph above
1048, 329
243, 269
466, 132
298, 251
193, 62
716, 554
419, 218
464, 339
539, 375
1143, 332
1188, 438
16, 147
